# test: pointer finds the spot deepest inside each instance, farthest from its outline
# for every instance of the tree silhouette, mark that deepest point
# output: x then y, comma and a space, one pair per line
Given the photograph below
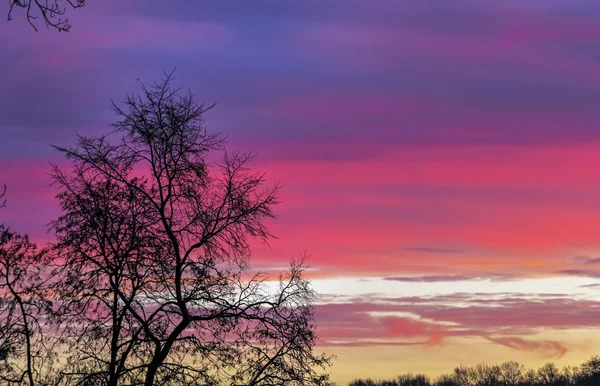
589, 372
109, 254
156, 242
549, 375
413, 380
52, 12
506, 374
23, 309
511, 373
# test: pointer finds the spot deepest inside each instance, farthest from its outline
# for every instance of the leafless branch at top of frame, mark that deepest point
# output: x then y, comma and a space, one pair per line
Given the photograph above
52, 12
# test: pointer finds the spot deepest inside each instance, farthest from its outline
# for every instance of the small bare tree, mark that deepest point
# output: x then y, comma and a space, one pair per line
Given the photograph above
23, 310
157, 247
511, 373
108, 255
52, 12
548, 374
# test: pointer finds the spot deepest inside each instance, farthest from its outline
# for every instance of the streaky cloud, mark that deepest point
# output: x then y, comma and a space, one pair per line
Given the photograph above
549, 348
434, 250
580, 272
586, 260
451, 278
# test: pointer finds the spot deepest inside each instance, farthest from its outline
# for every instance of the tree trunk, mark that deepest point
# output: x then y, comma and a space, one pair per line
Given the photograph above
161, 354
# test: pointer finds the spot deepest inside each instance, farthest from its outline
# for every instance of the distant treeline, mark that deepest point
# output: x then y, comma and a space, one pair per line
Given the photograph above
506, 374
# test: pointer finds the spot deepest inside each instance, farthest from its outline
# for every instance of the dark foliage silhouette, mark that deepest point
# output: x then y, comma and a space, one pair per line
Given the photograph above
51, 12
507, 374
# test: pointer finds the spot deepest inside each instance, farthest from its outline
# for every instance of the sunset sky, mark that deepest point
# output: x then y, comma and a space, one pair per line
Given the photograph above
440, 161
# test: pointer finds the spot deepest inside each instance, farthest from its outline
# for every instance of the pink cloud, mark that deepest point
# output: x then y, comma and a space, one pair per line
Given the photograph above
353, 324
512, 322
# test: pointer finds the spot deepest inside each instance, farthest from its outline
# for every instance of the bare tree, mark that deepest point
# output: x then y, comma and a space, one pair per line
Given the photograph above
548, 374
591, 367
52, 12
571, 375
413, 380
107, 250
464, 376
511, 373
486, 375
167, 260
23, 306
